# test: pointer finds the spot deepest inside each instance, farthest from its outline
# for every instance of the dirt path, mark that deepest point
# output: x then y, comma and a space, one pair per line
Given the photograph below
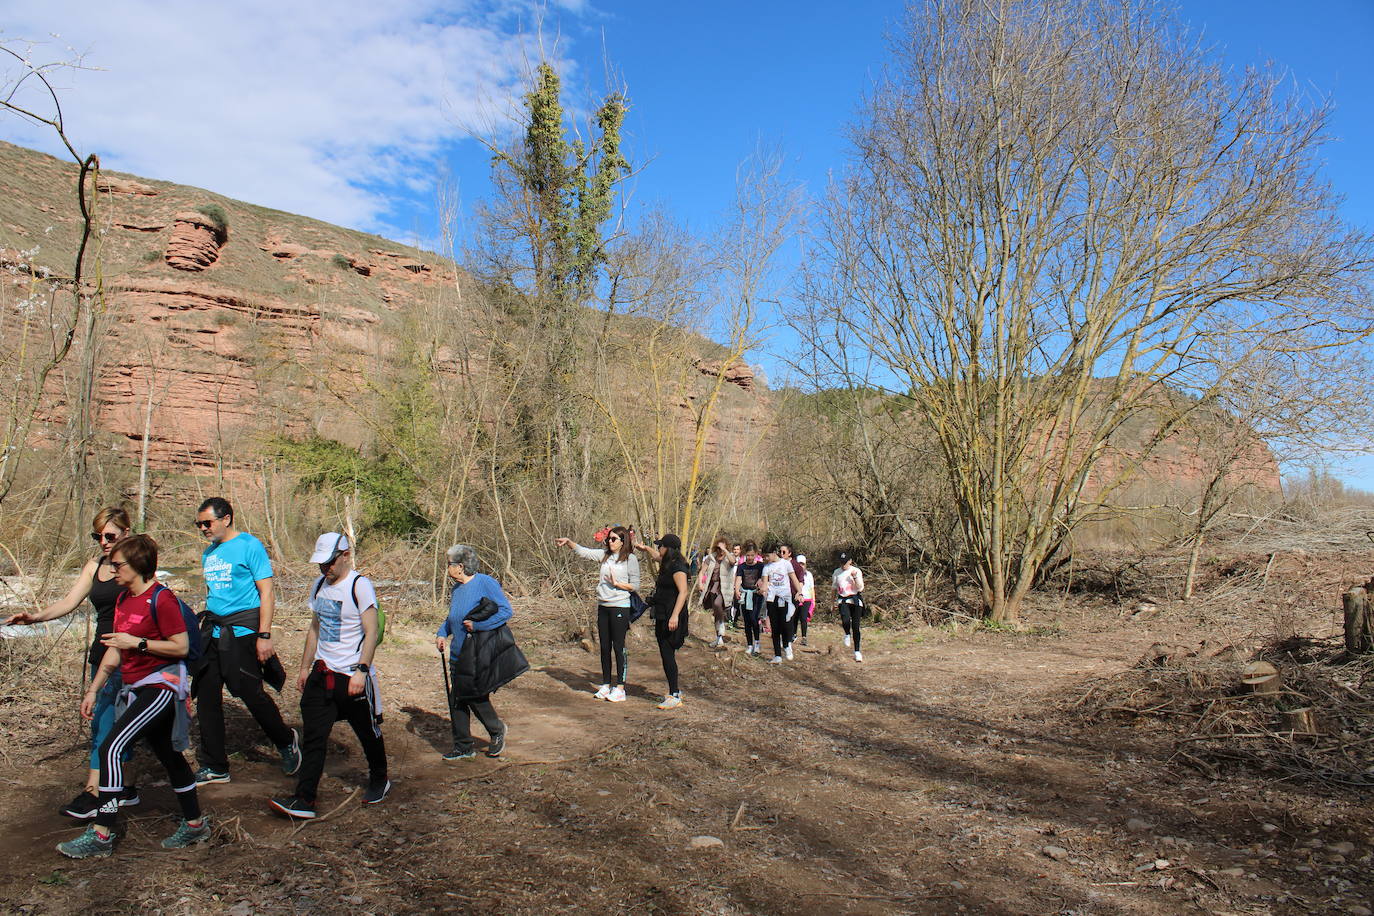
937, 777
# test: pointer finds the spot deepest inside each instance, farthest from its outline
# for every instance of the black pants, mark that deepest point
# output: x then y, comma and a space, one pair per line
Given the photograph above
803, 618
749, 607
612, 623
460, 715
324, 701
210, 701
669, 641
851, 611
150, 716
778, 623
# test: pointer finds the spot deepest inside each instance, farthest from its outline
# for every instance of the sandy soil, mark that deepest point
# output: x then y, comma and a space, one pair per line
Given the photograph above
946, 773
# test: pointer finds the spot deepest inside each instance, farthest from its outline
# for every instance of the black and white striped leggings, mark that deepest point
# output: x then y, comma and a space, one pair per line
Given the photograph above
150, 716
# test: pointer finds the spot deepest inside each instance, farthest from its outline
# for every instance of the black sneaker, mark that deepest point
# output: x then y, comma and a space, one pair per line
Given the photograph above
83, 806
129, 797
207, 775
291, 754
497, 744
458, 754
295, 806
376, 791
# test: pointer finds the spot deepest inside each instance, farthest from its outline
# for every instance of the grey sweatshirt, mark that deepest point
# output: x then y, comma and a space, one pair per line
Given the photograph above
612, 569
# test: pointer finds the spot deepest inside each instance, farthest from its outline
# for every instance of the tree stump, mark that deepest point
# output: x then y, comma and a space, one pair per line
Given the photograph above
1263, 679
1359, 621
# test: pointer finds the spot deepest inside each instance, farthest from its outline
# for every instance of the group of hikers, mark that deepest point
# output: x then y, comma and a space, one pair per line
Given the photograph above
152, 656
770, 590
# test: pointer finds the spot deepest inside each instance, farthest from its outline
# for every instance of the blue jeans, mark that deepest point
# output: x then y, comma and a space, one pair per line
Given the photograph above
103, 718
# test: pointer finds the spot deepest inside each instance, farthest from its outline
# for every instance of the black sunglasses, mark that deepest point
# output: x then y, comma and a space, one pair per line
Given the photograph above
612, 537
104, 537
117, 565
206, 524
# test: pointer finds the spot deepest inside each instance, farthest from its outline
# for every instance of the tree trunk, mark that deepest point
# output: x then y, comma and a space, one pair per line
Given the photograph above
1359, 621
1191, 580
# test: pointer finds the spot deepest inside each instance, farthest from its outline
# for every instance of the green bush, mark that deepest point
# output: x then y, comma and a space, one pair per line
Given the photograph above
215, 213
384, 485
149, 257
342, 262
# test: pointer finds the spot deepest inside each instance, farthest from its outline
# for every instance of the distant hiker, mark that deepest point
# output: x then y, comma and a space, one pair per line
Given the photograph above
147, 645
806, 599
670, 611
482, 654
785, 552
748, 574
96, 581
738, 550
718, 585
619, 577
778, 577
337, 679
237, 632
849, 600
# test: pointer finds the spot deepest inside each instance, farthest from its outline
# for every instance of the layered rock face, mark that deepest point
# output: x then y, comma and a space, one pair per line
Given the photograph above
195, 241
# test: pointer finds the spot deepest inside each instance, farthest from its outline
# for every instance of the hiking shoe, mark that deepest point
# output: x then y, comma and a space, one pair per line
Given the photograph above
670, 702
83, 806
129, 797
291, 754
775, 660
805, 641
295, 806
187, 835
88, 845
496, 745
848, 640
457, 754
787, 653
720, 641
603, 692
207, 775
617, 695
377, 789
858, 656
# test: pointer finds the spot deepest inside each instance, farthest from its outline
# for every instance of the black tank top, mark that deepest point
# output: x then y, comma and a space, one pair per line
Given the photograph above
102, 597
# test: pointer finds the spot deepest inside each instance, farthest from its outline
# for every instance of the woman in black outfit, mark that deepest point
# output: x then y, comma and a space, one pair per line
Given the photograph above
670, 610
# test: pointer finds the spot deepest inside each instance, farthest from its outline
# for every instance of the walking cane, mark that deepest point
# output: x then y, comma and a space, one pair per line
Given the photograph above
448, 688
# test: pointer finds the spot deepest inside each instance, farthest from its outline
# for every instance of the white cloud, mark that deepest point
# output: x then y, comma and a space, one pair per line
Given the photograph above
314, 106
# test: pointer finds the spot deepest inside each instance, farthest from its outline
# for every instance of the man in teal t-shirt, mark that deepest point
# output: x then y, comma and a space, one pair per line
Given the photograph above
237, 636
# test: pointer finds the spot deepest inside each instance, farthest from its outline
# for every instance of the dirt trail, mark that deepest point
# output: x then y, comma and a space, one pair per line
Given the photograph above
939, 776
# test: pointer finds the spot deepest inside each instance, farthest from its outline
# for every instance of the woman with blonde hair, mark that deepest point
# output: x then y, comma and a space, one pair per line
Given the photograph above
96, 583
619, 577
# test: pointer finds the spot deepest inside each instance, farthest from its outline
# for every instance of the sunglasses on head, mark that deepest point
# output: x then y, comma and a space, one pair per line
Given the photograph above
104, 537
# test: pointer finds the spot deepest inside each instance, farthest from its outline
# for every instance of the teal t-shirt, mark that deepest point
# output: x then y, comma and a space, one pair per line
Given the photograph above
232, 570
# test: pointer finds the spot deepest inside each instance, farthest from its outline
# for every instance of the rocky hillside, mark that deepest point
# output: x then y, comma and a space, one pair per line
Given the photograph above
226, 320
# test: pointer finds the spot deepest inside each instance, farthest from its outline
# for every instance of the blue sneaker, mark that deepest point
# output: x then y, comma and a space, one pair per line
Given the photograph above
88, 845
457, 754
186, 835
207, 775
291, 754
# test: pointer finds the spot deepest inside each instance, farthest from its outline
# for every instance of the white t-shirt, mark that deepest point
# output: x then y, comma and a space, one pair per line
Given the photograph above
848, 582
341, 622
779, 585
808, 590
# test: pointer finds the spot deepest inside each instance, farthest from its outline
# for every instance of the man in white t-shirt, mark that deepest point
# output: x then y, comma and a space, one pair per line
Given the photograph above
336, 678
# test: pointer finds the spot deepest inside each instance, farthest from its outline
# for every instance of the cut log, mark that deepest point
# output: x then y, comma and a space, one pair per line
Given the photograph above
1359, 621
1263, 679
1300, 722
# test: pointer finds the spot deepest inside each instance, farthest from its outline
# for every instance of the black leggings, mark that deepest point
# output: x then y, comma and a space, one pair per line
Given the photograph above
778, 623
803, 617
612, 623
749, 607
669, 641
851, 611
150, 715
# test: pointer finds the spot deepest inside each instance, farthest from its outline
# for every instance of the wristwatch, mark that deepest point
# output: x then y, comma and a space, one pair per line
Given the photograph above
143, 645
266, 634
361, 667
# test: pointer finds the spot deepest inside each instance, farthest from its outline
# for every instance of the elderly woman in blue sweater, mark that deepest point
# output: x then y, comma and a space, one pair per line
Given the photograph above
477, 604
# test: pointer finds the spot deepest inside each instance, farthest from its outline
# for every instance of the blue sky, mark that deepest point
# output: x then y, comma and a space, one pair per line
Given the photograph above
349, 111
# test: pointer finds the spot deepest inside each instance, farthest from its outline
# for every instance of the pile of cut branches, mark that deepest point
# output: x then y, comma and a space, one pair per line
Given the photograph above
1301, 711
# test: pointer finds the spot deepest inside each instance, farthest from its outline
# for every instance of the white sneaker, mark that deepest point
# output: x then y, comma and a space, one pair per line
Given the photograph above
848, 640
617, 695
720, 641
787, 653
757, 650
858, 656
670, 702
603, 692
775, 660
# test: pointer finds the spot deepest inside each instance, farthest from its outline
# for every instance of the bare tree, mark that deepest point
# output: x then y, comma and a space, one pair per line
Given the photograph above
1057, 209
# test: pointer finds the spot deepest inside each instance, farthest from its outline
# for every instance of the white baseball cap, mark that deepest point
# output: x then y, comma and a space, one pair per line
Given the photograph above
801, 560
328, 546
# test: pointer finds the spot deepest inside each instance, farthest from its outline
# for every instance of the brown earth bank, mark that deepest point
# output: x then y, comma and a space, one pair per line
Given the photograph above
949, 772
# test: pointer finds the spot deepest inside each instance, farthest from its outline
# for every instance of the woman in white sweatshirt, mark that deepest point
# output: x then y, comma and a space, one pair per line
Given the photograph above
619, 577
